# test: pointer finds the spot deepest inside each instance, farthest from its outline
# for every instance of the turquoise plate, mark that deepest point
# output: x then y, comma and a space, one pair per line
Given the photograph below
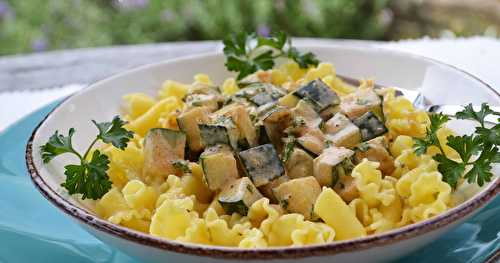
32, 230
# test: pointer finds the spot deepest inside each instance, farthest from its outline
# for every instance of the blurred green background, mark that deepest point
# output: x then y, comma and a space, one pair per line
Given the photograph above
40, 25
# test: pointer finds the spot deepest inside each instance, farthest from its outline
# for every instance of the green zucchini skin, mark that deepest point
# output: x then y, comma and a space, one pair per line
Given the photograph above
263, 138
332, 165
261, 99
319, 94
161, 148
260, 93
212, 134
342, 132
370, 126
222, 131
238, 196
261, 164
219, 166
239, 117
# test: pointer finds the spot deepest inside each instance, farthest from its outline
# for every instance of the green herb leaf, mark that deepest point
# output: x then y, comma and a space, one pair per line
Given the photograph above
466, 145
114, 133
89, 179
236, 44
431, 139
421, 146
182, 165
451, 170
483, 143
288, 148
246, 53
277, 40
304, 60
240, 65
264, 61
479, 116
490, 135
57, 144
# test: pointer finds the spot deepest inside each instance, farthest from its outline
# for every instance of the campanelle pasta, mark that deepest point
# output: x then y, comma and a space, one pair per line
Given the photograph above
343, 196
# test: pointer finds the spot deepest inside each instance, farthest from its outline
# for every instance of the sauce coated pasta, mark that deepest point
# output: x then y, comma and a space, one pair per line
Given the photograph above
284, 157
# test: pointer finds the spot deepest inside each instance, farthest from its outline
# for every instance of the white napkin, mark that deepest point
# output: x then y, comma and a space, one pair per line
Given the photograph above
478, 55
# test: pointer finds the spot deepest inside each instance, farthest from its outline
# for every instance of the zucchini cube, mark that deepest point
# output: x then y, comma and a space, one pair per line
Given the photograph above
275, 123
299, 164
261, 99
319, 94
261, 164
370, 126
260, 93
239, 115
161, 148
333, 164
188, 123
267, 190
238, 196
313, 142
219, 166
222, 131
342, 132
298, 195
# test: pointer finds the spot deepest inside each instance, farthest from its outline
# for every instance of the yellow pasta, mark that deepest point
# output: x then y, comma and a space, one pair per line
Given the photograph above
220, 231
125, 164
338, 85
372, 188
137, 104
402, 118
203, 79
197, 232
292, 69
150, 119
229, 87
401, 143
181, 207
253, 238
323, 70
139, 196
293, 230
172, 218
114, 208
335, 212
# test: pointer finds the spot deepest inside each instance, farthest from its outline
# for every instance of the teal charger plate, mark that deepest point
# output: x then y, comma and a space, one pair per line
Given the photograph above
32, 230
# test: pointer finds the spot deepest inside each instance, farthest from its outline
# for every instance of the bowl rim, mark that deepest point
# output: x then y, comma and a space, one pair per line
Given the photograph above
399, 234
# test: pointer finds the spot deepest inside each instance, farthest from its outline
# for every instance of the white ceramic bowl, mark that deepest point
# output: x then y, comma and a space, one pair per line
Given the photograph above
441, 84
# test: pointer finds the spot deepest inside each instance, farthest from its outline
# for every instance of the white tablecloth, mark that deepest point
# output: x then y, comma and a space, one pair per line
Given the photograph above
479, 56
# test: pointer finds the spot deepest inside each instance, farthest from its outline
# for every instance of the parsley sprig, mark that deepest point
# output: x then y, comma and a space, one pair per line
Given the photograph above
247, 53
90, 177
477, 151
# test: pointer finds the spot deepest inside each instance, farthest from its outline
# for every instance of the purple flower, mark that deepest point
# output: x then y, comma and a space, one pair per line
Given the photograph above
263, 30
39, 44
131, 4
5, 9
